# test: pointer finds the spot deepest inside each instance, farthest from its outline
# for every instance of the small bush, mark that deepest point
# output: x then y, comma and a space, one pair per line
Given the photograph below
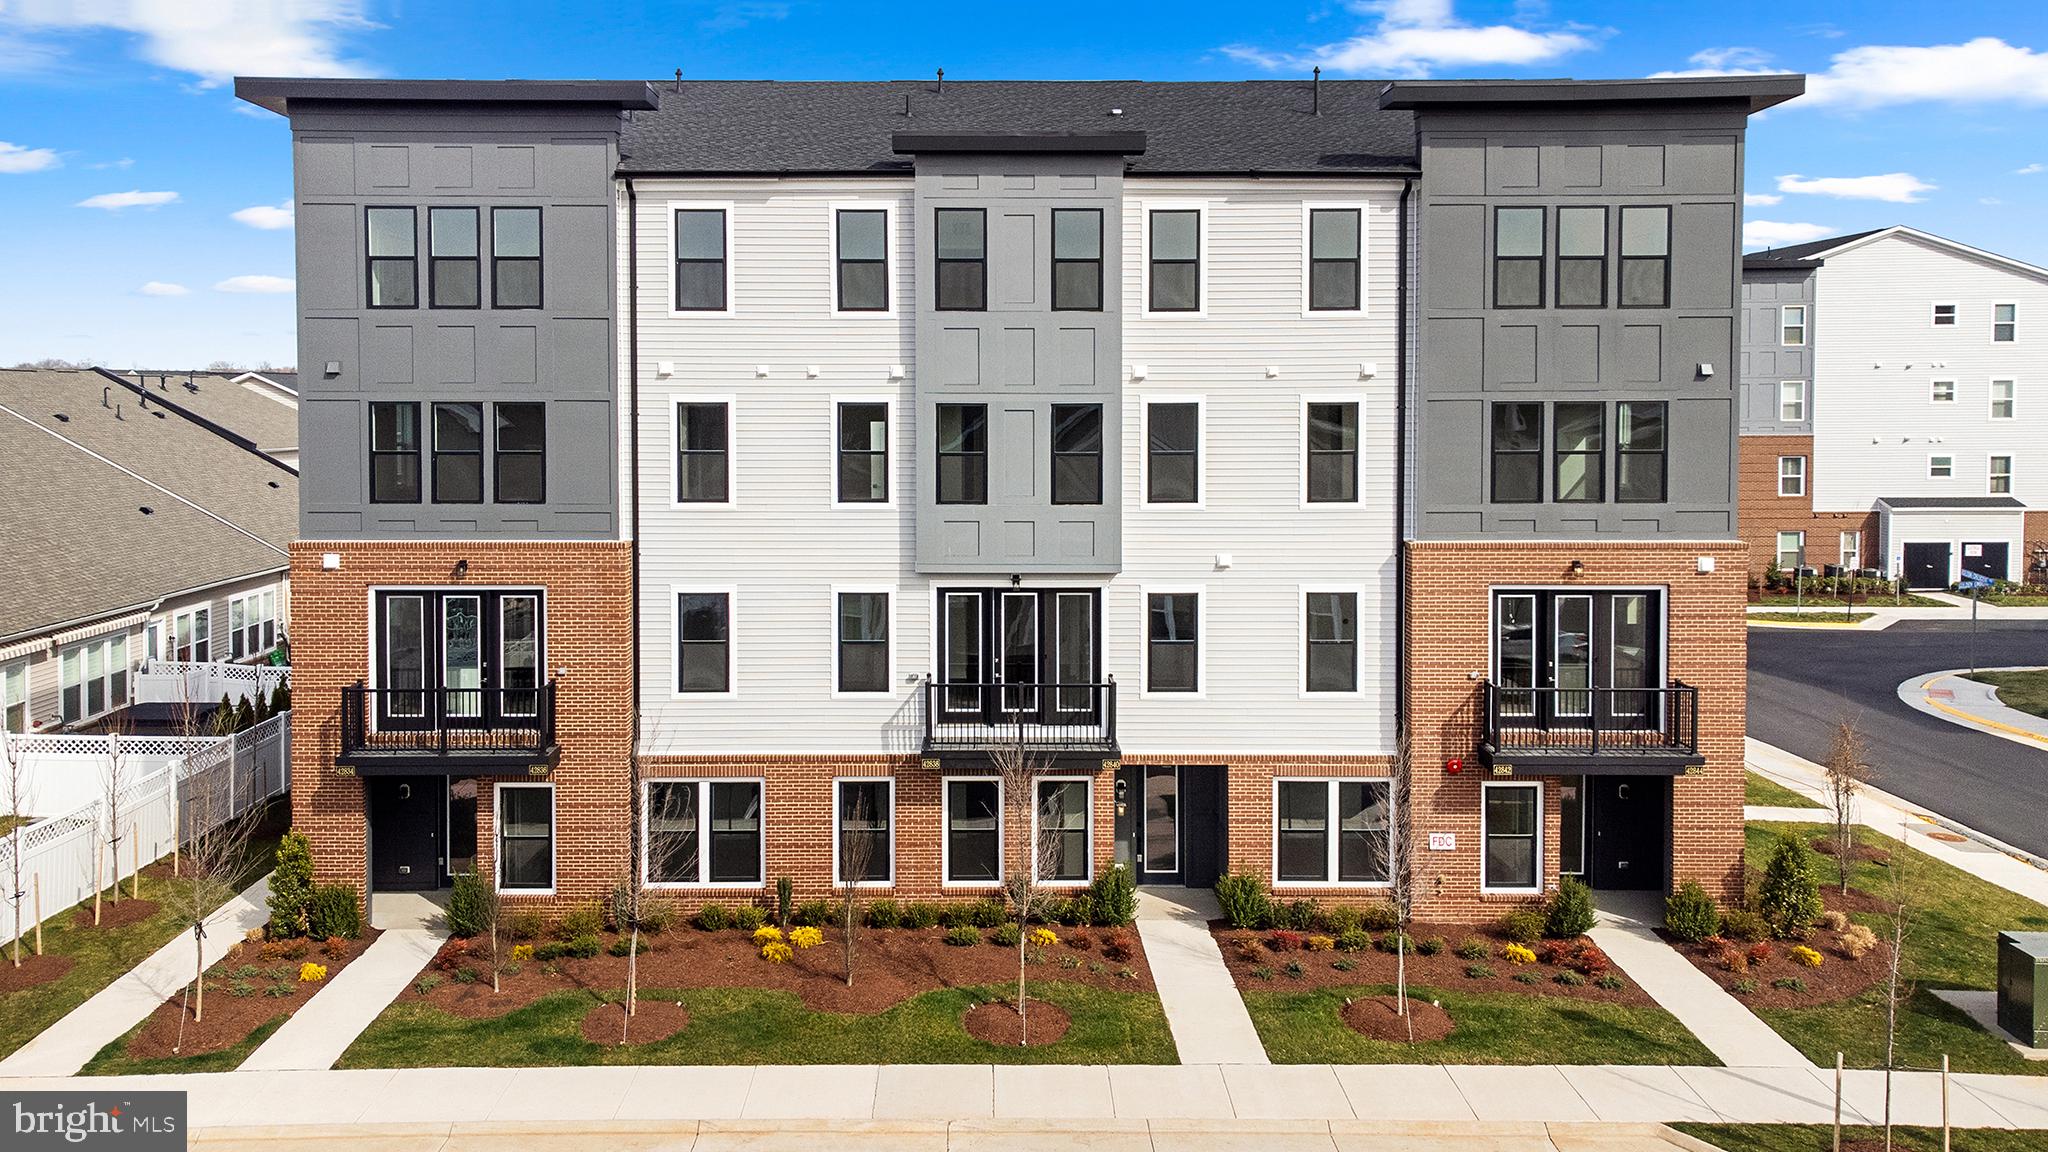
522, 952
766, 934
1044, 937
1478, 971
1285, 940
1340, 919
1743, 987
1526, 977
242, 988
469, 906
1113, 897
1742, 924
953, 915
714, 918
1344, 964
1293, 968
524, 924
280, 990
1518, 954
467, 976
1611, 982
1588, 960
1005, 935
1690, 914
335, 911
1805, 957
1242, 896
586, 919
1262, 973
1430, 945
776, 952
920, 915
1733, 959
582, 947
1247, 947
1380, 917
988, 913
1117, 946
291, 885
1789, 984
624, 944
1474, 948
311, 973
1570, 913
1790, 897
748, 917
1318, 943
1354, 940
1833, 921
336, 947
804, 938
1856, 941
963, 936
1570, 979
656, 916
1393, 943
1555, 951
1522, 926
1080, 940
884, 913
1299, 915
1759, 952
812, 914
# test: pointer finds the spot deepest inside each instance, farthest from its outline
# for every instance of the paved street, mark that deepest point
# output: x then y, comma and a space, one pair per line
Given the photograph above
1801, 683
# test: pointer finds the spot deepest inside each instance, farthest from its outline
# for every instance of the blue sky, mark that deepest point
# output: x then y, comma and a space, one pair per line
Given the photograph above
148, 216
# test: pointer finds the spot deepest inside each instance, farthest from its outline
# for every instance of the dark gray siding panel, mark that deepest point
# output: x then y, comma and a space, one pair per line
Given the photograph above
1766, 361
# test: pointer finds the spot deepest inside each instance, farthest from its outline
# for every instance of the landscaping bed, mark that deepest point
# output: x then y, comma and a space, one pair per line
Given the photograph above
1881, 600
1856, 1138
1816, 619
1465, 957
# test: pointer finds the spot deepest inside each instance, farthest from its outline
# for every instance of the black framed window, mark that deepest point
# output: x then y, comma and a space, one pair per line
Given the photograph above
864, 642
526, 837
1173, 434
1333, 453
1639, 451
1333, 259
1077, 453
454, 267
1175, 275
1511, 815
1364, 831
1571, 825
1333, 830
1578, 460
1646, 256
673, 844
703, 454
735, 849
963, 260
1303, 834
963, 454
1061, 841
394, 452
973, 831
703, 642
1332, 632
515, 257
1077, 259
864, 453
866, 815
1582, 257
700, 260
1172, 660
393, 237
459, 453
520, 463
1517, 453
1518, 257
863, 239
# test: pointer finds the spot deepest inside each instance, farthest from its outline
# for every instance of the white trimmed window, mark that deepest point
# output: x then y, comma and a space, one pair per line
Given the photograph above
526, 838
192, 635
1511, 829
252, 624
1176, 275
1062, 841
1331, 832
864, 837
1944, 315
2004, 323
2005, 399
973, 841
1792, 325
1791, 475
1941, 467
1792, 401
1852, 550
2000, 476
1791, 550
1942, 392
703, 833
93, 677
14, 697
703, 437
1330, 638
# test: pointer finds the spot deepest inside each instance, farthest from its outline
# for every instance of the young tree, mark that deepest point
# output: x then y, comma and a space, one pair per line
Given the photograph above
1019, 769
645, 855
856, 856
1407, 870
1900, 893
113, 793
216, 850
1848, 772
14, 780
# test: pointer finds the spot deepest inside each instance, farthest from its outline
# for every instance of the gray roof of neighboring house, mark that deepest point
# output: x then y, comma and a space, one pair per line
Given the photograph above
1800, 255
1959, 503
246, 414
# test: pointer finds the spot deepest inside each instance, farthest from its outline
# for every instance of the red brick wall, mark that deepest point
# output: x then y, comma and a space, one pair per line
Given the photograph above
1761, 513
2037, 540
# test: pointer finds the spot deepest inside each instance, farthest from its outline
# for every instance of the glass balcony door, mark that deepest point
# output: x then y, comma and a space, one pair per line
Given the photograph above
459, 659
1566, 659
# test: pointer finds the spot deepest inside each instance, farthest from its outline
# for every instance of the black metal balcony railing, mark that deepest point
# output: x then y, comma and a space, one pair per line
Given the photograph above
1045, 717
422, 726
1592, 721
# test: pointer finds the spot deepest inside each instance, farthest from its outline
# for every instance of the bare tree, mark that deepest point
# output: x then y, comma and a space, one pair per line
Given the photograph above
856, 859
1405, 870
646, 854
1019, 769
1900, 892
113, 788
216, 850
20, 798
1848, 771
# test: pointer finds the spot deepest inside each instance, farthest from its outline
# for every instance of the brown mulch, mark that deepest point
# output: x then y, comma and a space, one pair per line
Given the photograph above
129, 911
997, 1022
1838, 978
654, 1020
1446, 969
1826, 846
231, 1018
34, 971
1379, 1018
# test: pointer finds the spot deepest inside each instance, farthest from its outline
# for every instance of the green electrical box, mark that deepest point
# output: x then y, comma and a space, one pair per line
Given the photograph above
2023, 986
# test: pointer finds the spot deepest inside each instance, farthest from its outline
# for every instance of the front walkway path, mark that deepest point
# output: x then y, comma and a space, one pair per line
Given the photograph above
316, 1035
1204, 1011
64, 1047
1627, 933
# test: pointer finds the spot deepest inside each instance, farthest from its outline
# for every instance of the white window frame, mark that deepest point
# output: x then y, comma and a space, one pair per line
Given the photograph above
243, 602
1955, 316
80, 651
1799, 549
1991, 474
668, 276
1934, 395
1796, 404
1201, 500
1950, 474
1797, 475
1995, 306
1201, 595
892, 269
703, 786
2013, 398
945, 839
1486, 786
1849, 549
732, 641
1301, 595
839, 881
13, 691
888, 446
1354, 398
1364, 308
1085, 781
498, 839
732, 451
1331, 836
1145, 209
894, 594
192, 614
1785, 312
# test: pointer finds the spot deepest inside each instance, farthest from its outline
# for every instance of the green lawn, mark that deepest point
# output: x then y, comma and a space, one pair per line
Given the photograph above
1818, 1138
1817, 619
1787, 600
1952, 942
1764, 792
2027, 601
757, 1026
113, 1060
2026, 691
1491, 1028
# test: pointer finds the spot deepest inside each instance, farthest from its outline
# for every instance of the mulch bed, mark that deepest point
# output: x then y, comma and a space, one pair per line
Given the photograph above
34, 971
129, 911
1838, 978
1379, 1018
653, 1020
1444, 970
997, 1022
239, 1001
1826, 846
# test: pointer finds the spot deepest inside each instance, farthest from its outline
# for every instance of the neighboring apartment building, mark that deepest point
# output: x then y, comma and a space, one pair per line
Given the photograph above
224, 401
1885, 424
916, 420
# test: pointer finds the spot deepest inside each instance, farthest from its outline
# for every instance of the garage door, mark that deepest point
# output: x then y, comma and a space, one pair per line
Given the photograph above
1926, 566
1986, 559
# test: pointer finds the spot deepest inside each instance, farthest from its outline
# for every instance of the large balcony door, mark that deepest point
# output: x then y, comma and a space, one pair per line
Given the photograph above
458, 658
1569, 659
1008, 654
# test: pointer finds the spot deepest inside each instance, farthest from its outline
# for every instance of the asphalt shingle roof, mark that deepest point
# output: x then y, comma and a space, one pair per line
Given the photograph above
1799, 255
1957, 502
214, 396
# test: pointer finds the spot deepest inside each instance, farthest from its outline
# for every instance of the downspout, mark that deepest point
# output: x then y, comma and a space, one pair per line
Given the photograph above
633, 433
1401, 466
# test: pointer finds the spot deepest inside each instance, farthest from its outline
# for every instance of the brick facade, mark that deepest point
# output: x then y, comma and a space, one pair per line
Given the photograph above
1762, 513
2036, 544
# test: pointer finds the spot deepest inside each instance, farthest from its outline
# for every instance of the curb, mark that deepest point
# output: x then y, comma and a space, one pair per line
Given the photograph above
1913, 692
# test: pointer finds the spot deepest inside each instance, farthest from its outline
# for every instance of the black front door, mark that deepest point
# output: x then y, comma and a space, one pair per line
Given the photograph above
1630, 823
1169, 823
406, 818
1926, 565
1987, 559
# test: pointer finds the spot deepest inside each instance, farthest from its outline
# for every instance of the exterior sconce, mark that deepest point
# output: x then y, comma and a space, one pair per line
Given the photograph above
1578, 567
462, 568
1140, 371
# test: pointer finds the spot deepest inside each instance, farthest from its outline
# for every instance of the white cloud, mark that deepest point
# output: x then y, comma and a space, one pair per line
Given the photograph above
265, 216
162, 288
1892, 187
1986, 70
1774, 233
123, 162
115, 201
2030, 169
261, 285
17, 158
1760, 200
1990, 201
214, 42
1730, 58
1416, 37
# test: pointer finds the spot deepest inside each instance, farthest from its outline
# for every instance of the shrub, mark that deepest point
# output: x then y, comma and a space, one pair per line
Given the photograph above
241, 988
1690, 914
624, 945
1805, 957
1478, 971
776, 952
1340, 919
1743, 987
812, 914
785, 898
1856, 941
920, 915
446, 959
1833, 921
1759, 952
522, 952
987, 913
1284, 940
1044, 937
336, 947
714, 918
291, 885
1242, 896
1611, 982
1395, 942
953, 915
311, 973
1344, 964
1790, 897
806, 937
1262, 972
1554, 951
1113, 897
884, 913
1299, 915
1005, 935
280, 990
1789, 983
1080, 940
1570, 979
1589, 960
469, 903
1318, 943
1474, 948
766, 934
1733, 959
1293, 968
1430, 945
525, 924
1247, 947
963, 936
335, 912
1570, 914
748, 917
1354, 940
656, 916
1527, 978
1380, 917
1522, 926
1117, 946
586, 919
1742, 924
1518, 954
582, 947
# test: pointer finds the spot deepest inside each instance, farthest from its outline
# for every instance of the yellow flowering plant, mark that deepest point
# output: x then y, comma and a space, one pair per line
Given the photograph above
767, 934
522, 952
806, 937
776, 952
1805, 956
311, 973
1319, 943
1518, 954
1044, 937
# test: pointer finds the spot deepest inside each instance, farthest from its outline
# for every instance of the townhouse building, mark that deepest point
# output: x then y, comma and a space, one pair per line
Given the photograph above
1884, 422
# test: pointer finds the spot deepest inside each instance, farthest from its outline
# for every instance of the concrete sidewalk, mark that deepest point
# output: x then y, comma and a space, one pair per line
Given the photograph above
1203, 1010
316, 1035
1954, 697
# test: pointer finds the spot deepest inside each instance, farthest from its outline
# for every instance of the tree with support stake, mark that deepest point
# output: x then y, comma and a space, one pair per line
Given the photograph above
20, 798
1019, 769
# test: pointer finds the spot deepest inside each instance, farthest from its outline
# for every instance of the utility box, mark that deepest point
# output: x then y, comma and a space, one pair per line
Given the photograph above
2023, 986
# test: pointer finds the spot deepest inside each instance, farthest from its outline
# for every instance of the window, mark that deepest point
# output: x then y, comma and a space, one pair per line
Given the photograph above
526, 837
2004, 399
1517, 453
1333, 259
252, 624
515, 257
703, 453
974, 832
863, 851
863, 452
963, 260
1942, 392
478, 653
1172, 662
1579, 461
1024, 640
1941, 467
863, 642
1791, 475
2004, 323
682, 847
1792, 401
1571, 825
2000, 472
1791, 550
1512, 819
1175, 273
862, 236
458, 453
1518, 257
1077, 259
963, 454
454, 271
1645, 257
1639, 439
1077, 453
521, 462
1944, 315
1060, 840
1582, 257
701, 268
1792, 325
394, 453
394, 256
14, 698
1852, 551
1332, 438
1312, 848
192, 635
704, 642
1332, 641
1173, 434
93, 676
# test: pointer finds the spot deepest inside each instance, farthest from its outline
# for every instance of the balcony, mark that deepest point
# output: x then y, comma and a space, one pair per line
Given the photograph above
1597, 731
1056, 719
447, 731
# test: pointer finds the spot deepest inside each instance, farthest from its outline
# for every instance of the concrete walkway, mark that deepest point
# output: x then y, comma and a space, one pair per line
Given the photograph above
1627, 933
1204, 1011
1954, 697
316, 1035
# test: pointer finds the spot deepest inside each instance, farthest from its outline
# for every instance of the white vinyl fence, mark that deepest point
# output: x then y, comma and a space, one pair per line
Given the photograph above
155, 809
203, 684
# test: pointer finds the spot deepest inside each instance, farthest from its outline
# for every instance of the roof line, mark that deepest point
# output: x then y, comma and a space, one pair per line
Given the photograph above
202, 510
140, 605
220, 430
1957, 245
266, 380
